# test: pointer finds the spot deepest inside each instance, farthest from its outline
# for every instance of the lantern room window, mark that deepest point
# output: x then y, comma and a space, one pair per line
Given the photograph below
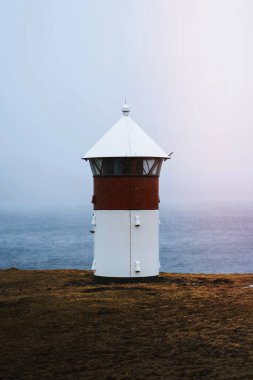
121, 166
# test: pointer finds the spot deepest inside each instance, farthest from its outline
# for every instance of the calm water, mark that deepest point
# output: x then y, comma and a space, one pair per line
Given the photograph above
195, 238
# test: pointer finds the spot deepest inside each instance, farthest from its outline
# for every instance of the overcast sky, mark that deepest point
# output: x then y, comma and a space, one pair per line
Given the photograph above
185, 67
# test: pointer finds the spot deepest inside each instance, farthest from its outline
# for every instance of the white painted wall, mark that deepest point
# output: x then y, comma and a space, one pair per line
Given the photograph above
123, 249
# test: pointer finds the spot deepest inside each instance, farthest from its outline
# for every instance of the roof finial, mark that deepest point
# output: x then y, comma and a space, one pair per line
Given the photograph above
125, 109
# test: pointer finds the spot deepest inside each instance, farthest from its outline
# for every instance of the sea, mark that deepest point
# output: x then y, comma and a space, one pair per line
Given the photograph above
195, 237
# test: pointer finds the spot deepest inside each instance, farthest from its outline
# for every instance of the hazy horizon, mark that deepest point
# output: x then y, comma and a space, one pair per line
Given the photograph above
185, 68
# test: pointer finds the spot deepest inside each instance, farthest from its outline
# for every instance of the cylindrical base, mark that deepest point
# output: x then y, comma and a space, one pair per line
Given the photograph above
126, 243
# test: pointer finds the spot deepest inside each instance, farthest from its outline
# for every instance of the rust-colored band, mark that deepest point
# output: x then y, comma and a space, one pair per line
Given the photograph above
126, 193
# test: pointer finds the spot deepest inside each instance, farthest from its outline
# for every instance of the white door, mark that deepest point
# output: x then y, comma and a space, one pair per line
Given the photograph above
112, 243
144, 243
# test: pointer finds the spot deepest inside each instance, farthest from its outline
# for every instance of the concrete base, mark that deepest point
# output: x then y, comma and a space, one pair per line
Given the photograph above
125, 280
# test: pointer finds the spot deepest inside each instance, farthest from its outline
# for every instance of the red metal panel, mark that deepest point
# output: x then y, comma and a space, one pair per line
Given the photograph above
126, 193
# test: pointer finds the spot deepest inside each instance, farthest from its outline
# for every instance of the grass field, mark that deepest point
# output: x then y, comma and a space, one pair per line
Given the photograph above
62, 324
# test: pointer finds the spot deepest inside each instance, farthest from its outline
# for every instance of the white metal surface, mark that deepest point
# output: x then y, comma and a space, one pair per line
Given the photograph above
124, 249
145, 243
125, 139
125, 109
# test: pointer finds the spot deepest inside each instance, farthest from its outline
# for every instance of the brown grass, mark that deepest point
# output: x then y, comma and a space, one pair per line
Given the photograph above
63, 325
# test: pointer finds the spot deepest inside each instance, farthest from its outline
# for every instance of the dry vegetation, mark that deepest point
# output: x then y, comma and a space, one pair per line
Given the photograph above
63, 325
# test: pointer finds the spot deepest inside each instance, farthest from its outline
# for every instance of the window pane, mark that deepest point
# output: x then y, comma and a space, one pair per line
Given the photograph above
107, 168
153, 167
136, 166
117, 166
99, 162
126, 165
159, 167
94, 168
151, 164
145, 167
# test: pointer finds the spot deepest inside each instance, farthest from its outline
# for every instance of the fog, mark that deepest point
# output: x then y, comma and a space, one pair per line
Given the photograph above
185, 68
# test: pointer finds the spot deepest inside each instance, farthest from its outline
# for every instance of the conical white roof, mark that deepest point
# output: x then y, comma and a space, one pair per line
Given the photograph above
125, 139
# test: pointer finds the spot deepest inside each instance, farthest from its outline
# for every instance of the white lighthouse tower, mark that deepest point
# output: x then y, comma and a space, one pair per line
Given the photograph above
126, 165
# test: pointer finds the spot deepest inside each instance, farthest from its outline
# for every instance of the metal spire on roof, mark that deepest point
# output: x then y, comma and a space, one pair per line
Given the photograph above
125, 109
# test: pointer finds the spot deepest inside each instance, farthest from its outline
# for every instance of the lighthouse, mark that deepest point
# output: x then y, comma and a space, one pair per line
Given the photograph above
126, 165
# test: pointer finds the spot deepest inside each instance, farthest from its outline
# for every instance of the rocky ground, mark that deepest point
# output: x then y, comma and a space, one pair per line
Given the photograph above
63, 324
